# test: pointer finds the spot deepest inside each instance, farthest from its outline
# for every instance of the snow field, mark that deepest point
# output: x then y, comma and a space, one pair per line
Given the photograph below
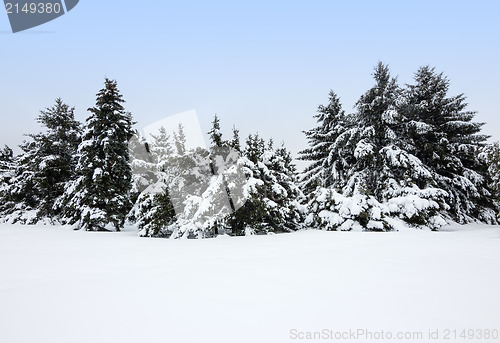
59, 285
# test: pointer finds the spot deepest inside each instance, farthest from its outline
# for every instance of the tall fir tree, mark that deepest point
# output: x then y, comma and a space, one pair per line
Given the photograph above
377, 121
447, 140
180, 140
46, 165
99, 199
215, 133
327, 166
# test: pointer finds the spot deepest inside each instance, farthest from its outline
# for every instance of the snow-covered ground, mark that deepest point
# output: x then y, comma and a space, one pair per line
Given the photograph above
58, 285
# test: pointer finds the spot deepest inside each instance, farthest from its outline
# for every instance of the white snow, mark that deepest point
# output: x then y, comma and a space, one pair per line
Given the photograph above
59, 285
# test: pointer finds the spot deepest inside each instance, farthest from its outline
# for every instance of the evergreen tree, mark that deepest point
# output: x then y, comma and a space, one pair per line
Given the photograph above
377, 121
46, 165
6, 161
144, 166
327, 166
7, 169
255, 148
490, 156
215, 134
271, 193
180, 140
99, 199
161, 145
155, 212
446, 139
373, 176
234, 143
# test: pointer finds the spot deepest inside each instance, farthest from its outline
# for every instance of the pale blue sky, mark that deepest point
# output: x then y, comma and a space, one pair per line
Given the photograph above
261, 65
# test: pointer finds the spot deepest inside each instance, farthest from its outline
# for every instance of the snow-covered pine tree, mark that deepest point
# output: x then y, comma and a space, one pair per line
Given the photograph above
180, 140
6, 164
219, 151
234, 143
448, 142
271, 192
215, 134
285, 191
376, 177
153, 210
142, 163
99, 199
327, 166
148, 159
7, 169
252, 217
491, 156
161, 146
46, 165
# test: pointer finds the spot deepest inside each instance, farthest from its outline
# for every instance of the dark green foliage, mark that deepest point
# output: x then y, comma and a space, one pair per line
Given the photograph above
445, 138
490, 156
47, 163
234, 143
327, 166
377, 124
363, 159
155, 213
99, 199
215, 134
7, 168
273, 201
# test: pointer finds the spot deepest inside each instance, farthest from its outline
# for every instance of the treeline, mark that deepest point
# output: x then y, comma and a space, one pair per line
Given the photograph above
407, 155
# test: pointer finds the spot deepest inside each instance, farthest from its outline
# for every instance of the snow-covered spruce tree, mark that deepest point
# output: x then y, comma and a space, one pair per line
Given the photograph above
226, 190
234, 143
180, 140
7, 164
215, 134
375, 178
148, 159
491, 157
327, 166
199, 186
99, 199
161, 145
447, 141
7, 169
143, 164
270, 191
45, 166
153, 210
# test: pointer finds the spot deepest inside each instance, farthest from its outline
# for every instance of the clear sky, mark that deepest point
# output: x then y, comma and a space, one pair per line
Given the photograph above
260, 65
